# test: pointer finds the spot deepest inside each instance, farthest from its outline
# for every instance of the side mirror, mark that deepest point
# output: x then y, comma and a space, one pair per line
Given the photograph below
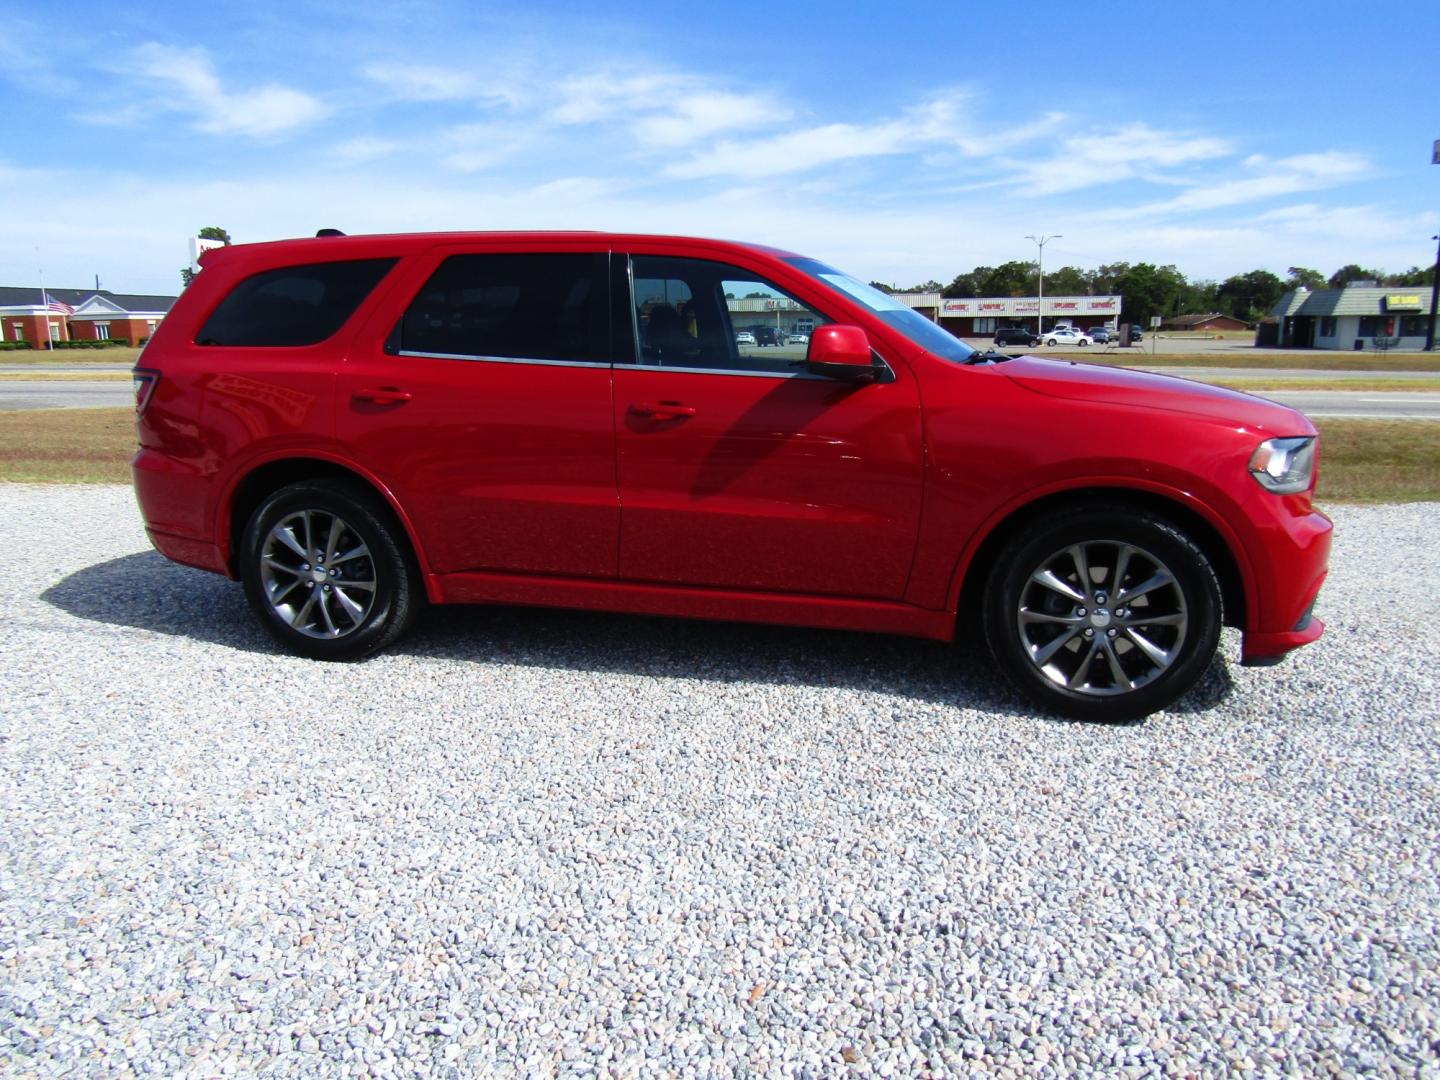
842, 352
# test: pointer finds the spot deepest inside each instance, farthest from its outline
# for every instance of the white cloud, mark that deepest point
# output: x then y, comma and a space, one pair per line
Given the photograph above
190, 85
1283, 176
363, 149
430, 83
1103, 157
479, 147
939, 126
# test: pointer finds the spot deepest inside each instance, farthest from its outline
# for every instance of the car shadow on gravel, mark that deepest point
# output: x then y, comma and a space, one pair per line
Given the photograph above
148, 592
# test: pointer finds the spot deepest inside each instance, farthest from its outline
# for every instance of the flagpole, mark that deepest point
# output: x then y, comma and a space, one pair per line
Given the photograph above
44, 303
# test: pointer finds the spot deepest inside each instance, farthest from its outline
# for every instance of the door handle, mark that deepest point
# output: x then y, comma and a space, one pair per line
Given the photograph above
665, 410
383, 395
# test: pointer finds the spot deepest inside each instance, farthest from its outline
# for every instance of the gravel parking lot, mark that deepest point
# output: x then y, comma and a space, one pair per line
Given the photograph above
539, 842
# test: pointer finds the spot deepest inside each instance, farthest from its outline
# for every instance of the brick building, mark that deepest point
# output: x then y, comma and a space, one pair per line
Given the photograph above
78, 315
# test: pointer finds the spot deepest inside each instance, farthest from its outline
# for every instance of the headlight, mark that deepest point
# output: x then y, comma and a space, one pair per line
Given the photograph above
1284, 466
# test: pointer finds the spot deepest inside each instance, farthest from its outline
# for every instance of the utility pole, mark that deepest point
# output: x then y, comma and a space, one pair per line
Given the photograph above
1041, 240
1434, 289
1435, 282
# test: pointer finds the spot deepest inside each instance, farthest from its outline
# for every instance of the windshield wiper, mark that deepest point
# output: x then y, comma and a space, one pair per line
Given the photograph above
989, 356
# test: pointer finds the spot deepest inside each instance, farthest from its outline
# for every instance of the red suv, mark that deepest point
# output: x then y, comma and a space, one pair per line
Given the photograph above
354, 426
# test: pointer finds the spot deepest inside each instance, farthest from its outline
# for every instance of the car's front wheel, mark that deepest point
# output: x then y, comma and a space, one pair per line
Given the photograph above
1051, 343
326, 569
1103, 613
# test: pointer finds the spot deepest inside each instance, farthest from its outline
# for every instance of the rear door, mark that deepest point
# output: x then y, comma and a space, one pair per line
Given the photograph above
480, 394
739, 469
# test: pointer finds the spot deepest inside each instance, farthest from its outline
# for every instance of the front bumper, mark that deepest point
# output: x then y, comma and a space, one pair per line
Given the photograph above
1293, 560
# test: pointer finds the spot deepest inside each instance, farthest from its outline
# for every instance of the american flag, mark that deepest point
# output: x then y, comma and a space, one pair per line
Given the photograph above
51, 304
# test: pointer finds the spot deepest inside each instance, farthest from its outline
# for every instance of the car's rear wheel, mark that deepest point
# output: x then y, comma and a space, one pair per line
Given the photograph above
1103, 613
327, 570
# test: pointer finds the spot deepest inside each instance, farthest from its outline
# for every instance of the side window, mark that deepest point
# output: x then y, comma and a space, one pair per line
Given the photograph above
694, 313
521, 306
294, 305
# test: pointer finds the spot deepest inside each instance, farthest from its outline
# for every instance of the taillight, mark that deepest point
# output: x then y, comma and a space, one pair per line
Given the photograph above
145, 380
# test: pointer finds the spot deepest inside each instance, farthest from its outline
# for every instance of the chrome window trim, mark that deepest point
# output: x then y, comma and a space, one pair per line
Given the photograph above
505, 359
723, 371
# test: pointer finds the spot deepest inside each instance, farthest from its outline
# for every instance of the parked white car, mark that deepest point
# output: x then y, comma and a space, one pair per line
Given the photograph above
744, 337
1066, 335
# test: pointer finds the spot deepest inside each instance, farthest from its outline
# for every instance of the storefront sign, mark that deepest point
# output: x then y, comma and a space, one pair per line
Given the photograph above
1406, 302
1030, 305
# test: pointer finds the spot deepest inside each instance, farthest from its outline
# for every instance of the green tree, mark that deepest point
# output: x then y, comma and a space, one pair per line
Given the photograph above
1250, 296
1298, 277
926, 286
1013, 278
1350, 273
209, 232
1197, 298
1067, 281
883, 287
1416, 275
964, 286
1148, 290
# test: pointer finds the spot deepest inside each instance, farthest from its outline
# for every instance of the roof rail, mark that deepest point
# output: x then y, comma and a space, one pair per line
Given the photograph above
328, 232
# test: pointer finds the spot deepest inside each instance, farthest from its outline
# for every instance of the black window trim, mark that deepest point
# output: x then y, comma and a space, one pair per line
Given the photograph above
799, 374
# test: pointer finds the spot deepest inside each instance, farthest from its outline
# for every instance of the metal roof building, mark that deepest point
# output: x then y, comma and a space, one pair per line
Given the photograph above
1356, 317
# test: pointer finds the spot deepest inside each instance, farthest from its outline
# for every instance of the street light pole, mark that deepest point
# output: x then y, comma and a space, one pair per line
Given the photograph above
1041, 240
1434, 297
1435, 281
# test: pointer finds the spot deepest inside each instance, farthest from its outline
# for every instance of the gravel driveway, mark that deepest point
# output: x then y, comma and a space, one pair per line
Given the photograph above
538, 842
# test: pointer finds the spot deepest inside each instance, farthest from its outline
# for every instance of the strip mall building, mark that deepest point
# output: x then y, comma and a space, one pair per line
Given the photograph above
982, 316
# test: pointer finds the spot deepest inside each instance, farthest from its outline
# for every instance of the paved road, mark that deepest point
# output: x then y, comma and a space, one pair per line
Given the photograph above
56, 394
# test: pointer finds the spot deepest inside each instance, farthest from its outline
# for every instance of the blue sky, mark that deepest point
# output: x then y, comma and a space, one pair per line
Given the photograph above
900, 142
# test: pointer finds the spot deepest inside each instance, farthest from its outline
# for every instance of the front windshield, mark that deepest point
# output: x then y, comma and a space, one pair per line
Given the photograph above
908, 321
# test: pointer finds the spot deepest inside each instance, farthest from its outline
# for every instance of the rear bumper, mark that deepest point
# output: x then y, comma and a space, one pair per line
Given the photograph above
182, 549
172, 497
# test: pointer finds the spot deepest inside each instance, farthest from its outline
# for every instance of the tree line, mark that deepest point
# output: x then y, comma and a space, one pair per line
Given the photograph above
1160, 290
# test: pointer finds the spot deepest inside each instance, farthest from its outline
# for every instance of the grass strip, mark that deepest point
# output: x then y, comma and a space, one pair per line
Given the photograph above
1260, 361
64, 376
1360, 385
1365, 461
121, 354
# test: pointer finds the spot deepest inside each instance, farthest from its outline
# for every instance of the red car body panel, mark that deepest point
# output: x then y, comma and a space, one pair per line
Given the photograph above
806, 501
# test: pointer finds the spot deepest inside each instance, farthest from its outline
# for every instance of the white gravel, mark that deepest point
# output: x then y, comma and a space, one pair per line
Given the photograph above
533, 842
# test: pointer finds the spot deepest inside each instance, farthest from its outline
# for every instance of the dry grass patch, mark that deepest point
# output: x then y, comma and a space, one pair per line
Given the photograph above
1379, 461
1371, 461
67, 446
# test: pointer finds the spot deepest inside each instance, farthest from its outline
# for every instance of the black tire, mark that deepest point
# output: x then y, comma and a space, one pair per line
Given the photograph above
347, 619
1082, 343
1138, 657
1051, 343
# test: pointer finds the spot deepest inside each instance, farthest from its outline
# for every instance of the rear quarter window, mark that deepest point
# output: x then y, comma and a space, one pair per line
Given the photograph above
294, 305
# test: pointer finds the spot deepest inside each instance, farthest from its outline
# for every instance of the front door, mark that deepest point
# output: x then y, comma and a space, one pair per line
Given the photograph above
480, 394
739, 469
